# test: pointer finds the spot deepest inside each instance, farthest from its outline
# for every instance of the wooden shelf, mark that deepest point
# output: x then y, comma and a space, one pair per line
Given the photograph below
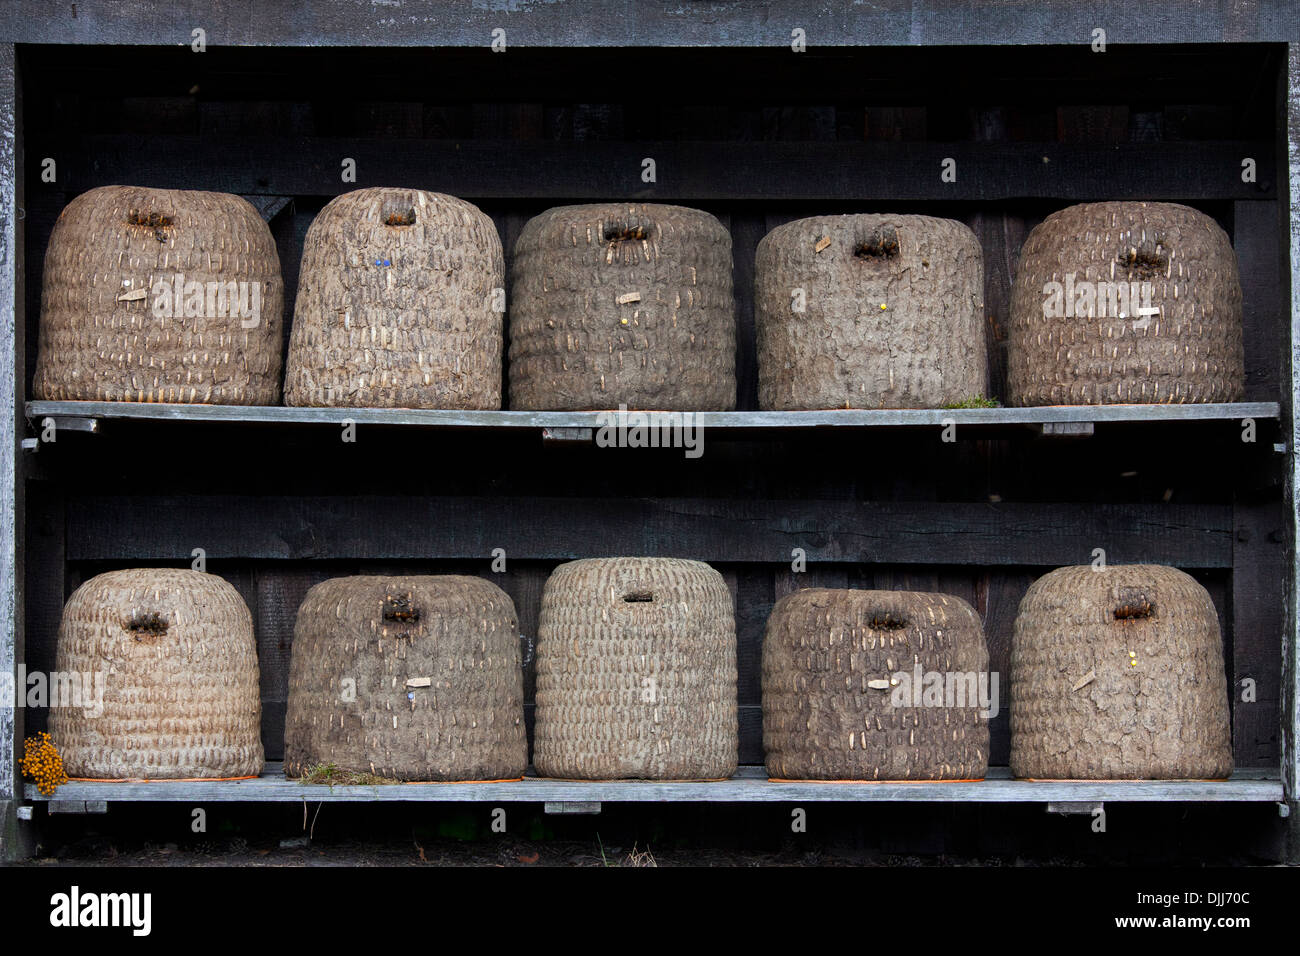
749, 785
627, 23
88, 414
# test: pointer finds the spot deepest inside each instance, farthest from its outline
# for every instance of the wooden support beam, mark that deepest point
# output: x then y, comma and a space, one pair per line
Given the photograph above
12, 384
536, 170
167, 528
1290, 714
635, 23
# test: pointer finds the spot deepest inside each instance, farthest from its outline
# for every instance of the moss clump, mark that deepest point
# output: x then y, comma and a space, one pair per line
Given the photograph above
975, 401
328, 774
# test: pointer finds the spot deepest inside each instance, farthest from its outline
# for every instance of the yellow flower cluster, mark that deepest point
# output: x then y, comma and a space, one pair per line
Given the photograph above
42, 763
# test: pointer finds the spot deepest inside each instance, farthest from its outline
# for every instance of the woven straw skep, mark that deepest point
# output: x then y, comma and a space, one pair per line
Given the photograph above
636, 671
411, 678
111, 326
869, 311
1188, 350
400, 305
623, 304
179, 664
1118, 674
831, 707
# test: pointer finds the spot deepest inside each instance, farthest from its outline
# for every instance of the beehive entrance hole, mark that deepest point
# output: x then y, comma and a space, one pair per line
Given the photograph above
395, 215
150, 220
879, 246
146, 626
1133, 604
886, 621
1135, 611
401, 610
638, 597
626, 231
1146, 260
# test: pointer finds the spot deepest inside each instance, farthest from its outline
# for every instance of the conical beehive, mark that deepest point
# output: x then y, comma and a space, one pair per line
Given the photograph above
410, 678
160, 295
1118, 674
869, 311
876, 685
623, 304
401, 299
636, 671
1126, 302
175, 653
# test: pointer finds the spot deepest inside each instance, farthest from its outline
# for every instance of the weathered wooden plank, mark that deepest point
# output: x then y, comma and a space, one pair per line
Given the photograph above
627, 23
749, 719
753, 606
830, 418
45, 591
130, 528
524, 582
1256, 227
1258, 611
1291, 640
746, 233
12, 383
280, 592
1001, 234
481, 169
998, 601
747, 786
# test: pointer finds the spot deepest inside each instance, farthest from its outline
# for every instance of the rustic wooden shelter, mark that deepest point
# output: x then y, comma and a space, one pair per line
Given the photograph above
993, 115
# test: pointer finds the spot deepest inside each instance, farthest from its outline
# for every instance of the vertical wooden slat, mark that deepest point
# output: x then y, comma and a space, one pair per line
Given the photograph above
1000, 597
746, 233
45, 561
1257, 560
279, 591
12, 383
1255, 232
1291, 637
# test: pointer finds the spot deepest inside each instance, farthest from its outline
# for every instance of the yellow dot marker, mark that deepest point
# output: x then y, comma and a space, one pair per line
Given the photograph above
883, 306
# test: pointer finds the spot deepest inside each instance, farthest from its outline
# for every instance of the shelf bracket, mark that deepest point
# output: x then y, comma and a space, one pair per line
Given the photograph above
1066, 429
73, 423
572, 806
77, 806
1075, 807
565, 435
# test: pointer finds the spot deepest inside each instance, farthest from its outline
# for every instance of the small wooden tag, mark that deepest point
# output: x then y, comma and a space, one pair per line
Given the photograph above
1085, 680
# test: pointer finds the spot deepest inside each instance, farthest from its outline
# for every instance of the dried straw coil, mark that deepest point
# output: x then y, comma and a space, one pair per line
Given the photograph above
869, 311
1188, 350
110, 275
636, 671
834, 707
400, 303
411, 678
1118, 674
179, 665
623, 304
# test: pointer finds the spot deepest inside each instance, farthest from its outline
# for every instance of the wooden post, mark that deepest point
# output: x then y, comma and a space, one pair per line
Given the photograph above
1291, 635
12, 377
